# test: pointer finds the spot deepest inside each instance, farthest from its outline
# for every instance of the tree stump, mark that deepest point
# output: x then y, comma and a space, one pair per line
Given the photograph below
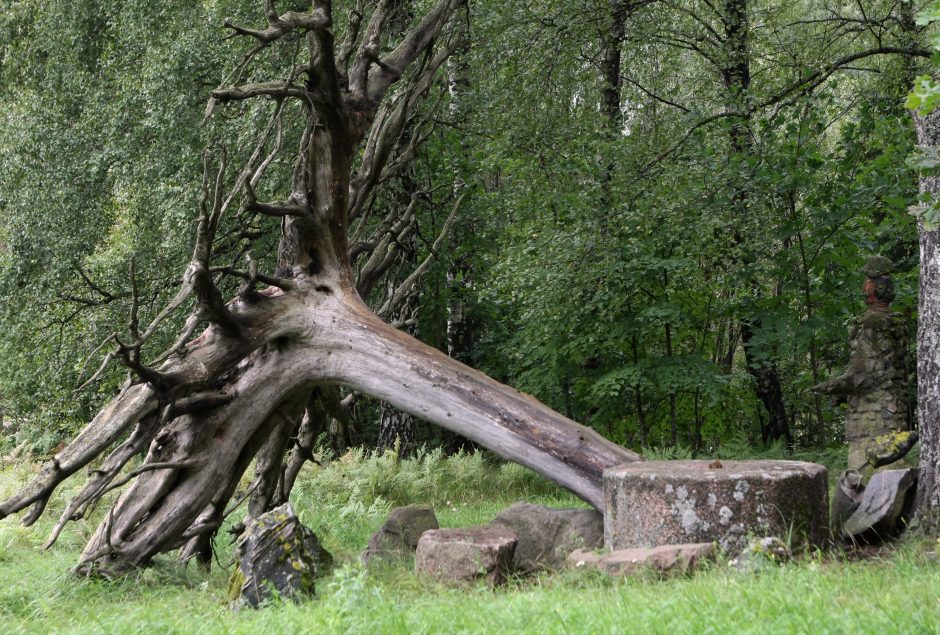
658, 503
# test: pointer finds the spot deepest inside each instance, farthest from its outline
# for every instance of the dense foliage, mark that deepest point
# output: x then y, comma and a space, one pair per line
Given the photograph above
633, 227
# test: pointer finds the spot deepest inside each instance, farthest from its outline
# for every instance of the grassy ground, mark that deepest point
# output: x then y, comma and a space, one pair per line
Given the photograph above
898, 592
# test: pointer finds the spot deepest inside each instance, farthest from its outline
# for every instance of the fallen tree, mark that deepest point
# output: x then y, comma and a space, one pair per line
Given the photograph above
265, 369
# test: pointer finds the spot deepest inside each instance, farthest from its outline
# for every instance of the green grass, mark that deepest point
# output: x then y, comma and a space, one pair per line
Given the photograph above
347, 500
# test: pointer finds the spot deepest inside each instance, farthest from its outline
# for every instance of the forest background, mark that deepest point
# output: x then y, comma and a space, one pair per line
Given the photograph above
666, 204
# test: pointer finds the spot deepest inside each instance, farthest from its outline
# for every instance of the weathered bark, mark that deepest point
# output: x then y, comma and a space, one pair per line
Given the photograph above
397, 428
355, 349
313, 424
212, 404
928, 346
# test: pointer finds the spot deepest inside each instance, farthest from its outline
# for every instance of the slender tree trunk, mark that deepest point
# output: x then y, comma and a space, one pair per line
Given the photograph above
928, 345
638, 394
673, 423
459, 329
813, 357
611, 43
736, 74
697, 414
767, 386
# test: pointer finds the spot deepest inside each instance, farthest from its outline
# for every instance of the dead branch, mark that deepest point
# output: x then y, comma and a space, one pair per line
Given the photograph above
412, 45
274, 90
294, 206
279, 26
410, 283
285, 284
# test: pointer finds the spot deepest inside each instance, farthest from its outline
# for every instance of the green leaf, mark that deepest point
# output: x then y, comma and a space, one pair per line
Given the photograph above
929, 14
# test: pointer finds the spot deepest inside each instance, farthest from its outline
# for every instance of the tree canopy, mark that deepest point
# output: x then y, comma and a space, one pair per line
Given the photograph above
603, 260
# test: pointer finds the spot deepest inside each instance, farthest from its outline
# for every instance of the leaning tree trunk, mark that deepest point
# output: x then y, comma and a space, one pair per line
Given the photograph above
928, 344
237, 391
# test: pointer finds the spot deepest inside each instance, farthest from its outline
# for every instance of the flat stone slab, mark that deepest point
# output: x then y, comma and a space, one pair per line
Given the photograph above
666, 558
468, 554
547, 535
886, 501
654, 503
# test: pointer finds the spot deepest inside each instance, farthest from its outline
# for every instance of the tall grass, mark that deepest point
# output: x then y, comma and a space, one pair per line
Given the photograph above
429, 476
347, 498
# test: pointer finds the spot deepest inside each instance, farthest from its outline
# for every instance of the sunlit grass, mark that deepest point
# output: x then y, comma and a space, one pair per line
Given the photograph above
349, 498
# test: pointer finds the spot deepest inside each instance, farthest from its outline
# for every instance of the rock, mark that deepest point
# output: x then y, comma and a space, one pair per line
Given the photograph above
886, 502
890, 448
456, 556
546, 535
655, 503
398, 537
761, 552
276, 553
665, 558
847, 498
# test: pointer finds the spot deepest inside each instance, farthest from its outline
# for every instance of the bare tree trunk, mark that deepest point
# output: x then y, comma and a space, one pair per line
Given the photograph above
767, 386
459, 330
638, 394
673, 423
611, 42
813, 357
928, 345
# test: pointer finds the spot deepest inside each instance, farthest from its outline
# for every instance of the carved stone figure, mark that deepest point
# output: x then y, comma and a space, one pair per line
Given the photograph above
874, 385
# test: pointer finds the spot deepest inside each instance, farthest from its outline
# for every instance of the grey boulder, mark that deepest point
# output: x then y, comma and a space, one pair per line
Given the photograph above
546, 535
276, 555
398, 537
886, 503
